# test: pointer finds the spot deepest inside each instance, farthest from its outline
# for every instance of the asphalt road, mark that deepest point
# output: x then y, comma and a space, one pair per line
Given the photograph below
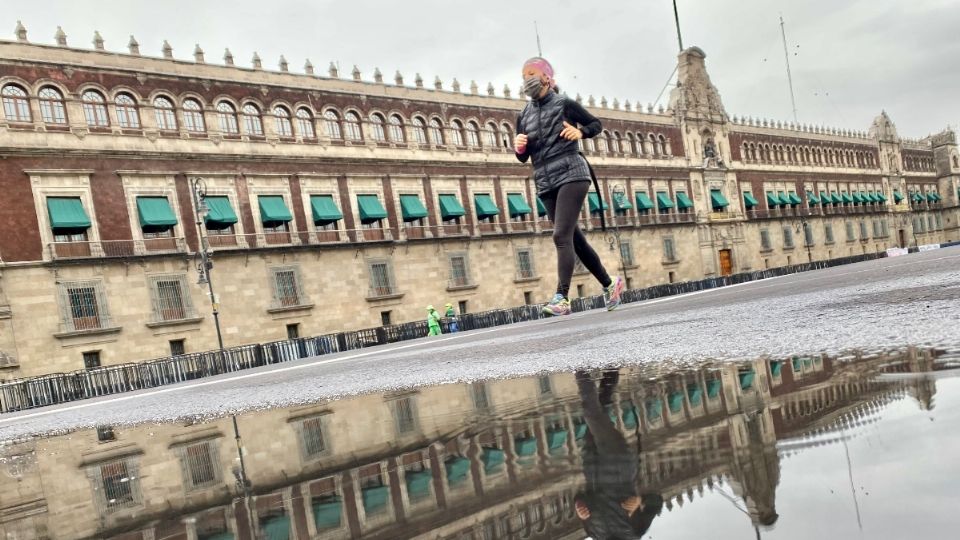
882, 304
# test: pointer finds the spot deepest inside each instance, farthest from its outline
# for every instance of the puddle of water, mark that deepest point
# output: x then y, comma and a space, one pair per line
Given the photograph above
859, 446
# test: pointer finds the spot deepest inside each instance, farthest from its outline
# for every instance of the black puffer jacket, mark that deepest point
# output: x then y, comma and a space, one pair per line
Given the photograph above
556, 161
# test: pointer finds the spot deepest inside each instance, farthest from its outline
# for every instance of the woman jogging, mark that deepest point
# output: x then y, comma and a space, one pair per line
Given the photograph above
548, 129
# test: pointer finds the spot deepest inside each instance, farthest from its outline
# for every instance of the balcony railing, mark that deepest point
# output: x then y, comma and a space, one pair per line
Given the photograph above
115, 248
460, 282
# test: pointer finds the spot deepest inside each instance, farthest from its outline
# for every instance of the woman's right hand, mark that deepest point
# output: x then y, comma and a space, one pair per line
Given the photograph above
520, 141
582, 511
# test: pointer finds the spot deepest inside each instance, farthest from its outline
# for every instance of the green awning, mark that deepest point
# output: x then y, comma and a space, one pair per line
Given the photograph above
717, 199
713, 388
621, 201
683, 202
825, 198
556, 439
492, 459
773, 199
273, 210
412, 208
593, 201
327, 515
897, 197
485, 205
518, 205
746, 379
457, 469
836, 198
654, 408
775, 367
276, 528
812, 198
541, 208
643, 201
217, 536
220, 214
450, 207
932, 197
881, 197
845, 198
694, 393
371, 211
375, 498
793, 198
915, 196
629, 414
857, 198
325, 210
580, 431
418, 483
797, 365
663, 200
675, 400
155, 214
749, 200
784, 199
525, 447
67, 215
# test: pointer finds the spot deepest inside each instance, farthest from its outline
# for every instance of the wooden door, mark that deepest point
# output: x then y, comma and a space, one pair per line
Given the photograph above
726, 262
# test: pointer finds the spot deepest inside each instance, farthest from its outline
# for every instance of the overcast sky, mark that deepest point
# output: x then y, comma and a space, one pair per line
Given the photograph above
850, 58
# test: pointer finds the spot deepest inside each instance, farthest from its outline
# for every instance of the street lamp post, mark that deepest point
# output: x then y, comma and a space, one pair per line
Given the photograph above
618, 191
199, 189
803, 227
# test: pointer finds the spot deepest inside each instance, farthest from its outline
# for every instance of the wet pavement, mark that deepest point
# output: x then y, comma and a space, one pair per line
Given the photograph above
873, 306
861, 445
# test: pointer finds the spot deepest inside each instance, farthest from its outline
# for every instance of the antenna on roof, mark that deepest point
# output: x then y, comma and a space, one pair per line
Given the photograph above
537, 31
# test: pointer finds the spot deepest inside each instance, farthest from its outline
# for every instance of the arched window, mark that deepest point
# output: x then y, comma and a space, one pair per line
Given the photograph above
305, 124
456, 133
351, 126
95, 109
332, 122
252, 122
490, 135
16, 107
654, 149
419, 130
127, 114
436, 131
396, 128
473, 135
590, 145
628, 148
376, 128
615, 145
506, 135
193, 116
227, 115
166, 119
603, 142
284, 125
52, 109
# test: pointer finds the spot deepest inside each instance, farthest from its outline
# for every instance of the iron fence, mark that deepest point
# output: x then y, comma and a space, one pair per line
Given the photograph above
52, 389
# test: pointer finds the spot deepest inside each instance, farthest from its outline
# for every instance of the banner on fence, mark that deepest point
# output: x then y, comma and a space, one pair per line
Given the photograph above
928, 247
896, 252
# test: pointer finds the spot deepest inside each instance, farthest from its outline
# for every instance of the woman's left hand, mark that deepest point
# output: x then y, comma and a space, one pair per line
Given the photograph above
571, 133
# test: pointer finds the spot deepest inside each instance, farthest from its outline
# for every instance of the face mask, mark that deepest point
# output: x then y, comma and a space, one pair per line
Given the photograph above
532, 87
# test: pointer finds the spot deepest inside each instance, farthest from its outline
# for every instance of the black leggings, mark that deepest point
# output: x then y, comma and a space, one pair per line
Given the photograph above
563, 207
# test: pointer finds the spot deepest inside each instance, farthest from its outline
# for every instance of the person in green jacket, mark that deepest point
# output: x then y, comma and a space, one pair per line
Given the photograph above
433, 321
452, 324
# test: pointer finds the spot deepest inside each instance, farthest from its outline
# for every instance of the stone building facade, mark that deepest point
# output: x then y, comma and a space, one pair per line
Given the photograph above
339, 203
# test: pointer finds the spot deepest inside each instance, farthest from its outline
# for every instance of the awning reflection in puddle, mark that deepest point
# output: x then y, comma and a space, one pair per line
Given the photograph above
606, 454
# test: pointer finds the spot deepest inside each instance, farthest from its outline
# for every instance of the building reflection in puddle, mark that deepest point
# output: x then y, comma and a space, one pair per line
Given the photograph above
553, 456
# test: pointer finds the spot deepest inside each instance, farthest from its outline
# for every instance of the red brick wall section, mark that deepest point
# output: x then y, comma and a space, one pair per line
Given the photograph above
348, 221
243, 203
299, 212
20, 240
431, 204
467, 205
188, 218
393, 220
501, 204
113, 218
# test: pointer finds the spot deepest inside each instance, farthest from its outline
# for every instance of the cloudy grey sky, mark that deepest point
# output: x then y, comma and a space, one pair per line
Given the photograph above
850, 58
